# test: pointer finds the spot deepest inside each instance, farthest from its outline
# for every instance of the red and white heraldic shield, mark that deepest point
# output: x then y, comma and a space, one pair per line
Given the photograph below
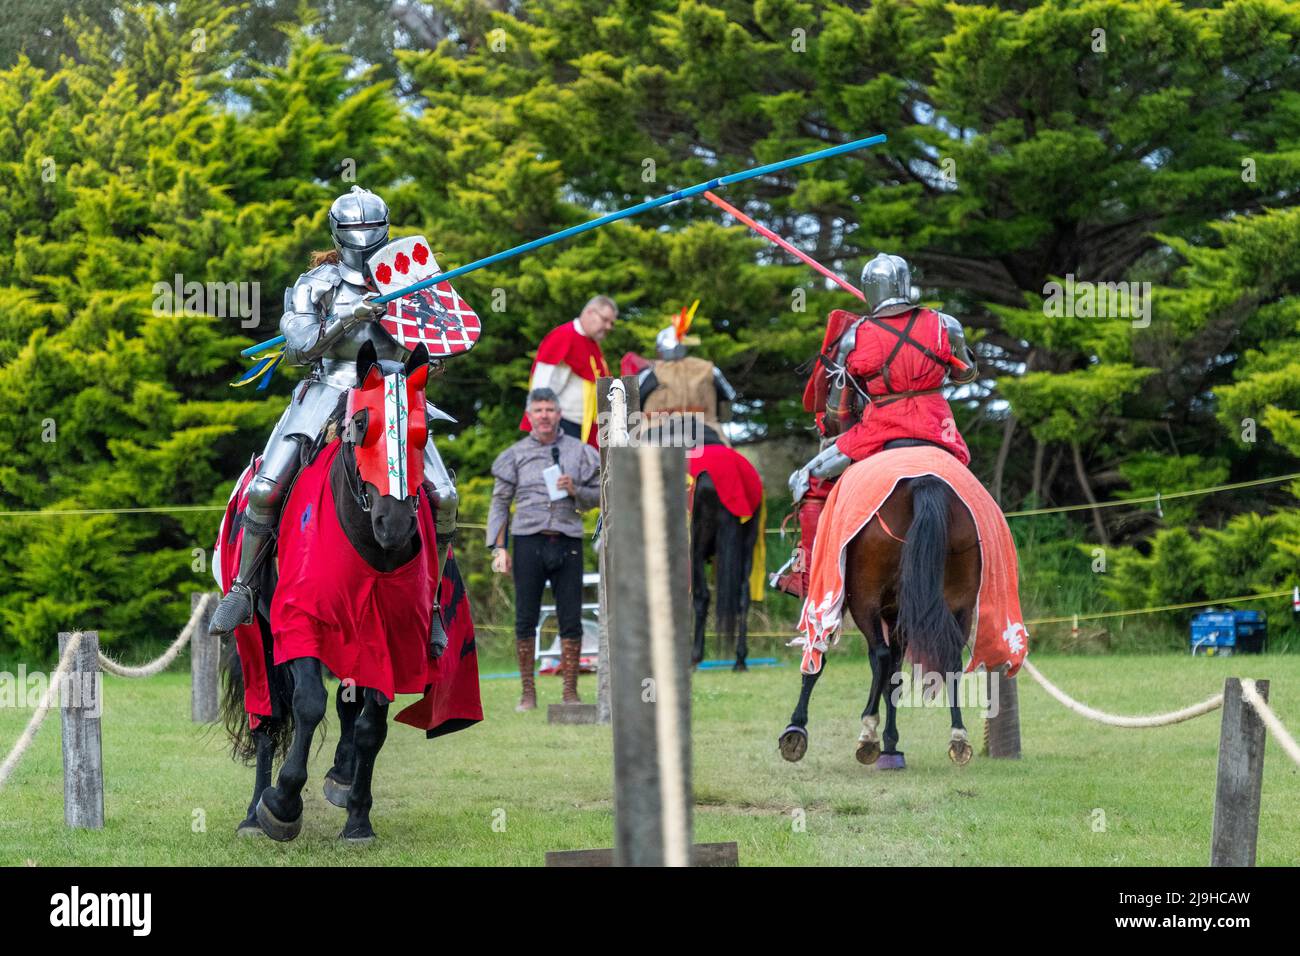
436, 316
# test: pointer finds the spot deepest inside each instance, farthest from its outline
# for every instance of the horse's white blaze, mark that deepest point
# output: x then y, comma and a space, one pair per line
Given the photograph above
395, 433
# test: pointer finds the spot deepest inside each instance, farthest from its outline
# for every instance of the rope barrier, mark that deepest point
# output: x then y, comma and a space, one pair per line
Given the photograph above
1098, 615
161, 663
1117, 720
1033, 622
1250, 694
42, 709
1158, 497
155, 666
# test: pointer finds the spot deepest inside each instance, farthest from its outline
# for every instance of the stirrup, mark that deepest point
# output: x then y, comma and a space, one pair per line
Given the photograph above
437, 634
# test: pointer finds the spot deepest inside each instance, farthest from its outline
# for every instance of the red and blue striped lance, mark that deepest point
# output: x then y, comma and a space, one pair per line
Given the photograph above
629, 212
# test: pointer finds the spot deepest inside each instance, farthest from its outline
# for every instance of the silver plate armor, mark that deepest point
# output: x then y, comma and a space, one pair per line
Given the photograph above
320, 330
960, 350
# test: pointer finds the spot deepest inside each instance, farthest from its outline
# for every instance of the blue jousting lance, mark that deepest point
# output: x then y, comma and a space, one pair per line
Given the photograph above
687, 193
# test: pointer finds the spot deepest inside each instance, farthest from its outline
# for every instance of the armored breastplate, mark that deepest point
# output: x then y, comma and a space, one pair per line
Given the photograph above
338, 365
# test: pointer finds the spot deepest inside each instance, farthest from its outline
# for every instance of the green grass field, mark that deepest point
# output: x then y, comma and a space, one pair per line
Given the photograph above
506, 791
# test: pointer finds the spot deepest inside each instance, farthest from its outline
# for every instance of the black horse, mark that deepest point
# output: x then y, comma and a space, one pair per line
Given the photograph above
385, 537
719, 536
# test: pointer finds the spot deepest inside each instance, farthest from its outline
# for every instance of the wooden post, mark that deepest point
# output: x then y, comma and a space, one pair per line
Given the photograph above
1002, 730
603, 710
205, 666
649, 631
1239, 780
80, 704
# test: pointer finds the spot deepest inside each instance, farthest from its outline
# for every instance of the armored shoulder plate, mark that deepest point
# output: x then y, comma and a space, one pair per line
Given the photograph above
960, 350
312, 288
725, 391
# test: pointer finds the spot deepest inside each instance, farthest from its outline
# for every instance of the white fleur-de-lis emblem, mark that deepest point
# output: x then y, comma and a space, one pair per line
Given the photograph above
1014, 636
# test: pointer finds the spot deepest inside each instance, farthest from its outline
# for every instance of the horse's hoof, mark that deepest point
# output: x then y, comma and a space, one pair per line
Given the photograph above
891, 762
275, 828
739, 666
337, 792
868, 752
357, 836
959, 752
793, 743
249, 828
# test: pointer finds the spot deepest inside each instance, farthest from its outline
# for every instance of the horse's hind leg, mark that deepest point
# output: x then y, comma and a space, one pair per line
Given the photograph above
700, 598
793, 743
892, 758
881, 668
261, 780
280, 809
959, 748
743, 599
369, 735
339, 778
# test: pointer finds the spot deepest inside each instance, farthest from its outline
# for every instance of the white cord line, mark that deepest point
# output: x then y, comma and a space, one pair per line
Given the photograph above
663, 662
164, 661
42, 709
1119, 720
1250, 694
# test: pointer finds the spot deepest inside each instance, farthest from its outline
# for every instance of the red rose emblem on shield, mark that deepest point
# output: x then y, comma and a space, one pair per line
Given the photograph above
402, 264
384, 274
420, 254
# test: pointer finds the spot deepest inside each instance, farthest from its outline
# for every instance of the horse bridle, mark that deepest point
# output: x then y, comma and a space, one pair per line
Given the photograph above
357, 490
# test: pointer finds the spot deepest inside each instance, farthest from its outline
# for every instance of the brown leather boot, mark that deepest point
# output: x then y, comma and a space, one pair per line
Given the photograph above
570, 652
528, 699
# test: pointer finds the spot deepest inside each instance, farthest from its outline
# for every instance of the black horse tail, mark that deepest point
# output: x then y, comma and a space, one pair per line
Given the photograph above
924, 621
243, 746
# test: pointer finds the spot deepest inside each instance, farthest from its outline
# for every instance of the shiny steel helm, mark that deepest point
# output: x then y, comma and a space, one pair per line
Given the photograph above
669, 346
359, 226
887, 284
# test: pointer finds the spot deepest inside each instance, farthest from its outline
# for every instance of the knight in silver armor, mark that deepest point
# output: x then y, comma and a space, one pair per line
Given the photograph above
887, 285
328, 315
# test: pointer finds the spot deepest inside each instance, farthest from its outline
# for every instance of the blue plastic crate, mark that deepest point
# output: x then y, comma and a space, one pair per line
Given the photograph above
1229, 632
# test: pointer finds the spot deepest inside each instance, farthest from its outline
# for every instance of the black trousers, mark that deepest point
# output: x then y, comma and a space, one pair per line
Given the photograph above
540, 558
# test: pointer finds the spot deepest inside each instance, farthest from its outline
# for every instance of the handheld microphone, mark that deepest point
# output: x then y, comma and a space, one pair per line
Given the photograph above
555, 455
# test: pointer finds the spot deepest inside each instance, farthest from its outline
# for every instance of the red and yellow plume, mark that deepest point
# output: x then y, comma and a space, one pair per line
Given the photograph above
682, 321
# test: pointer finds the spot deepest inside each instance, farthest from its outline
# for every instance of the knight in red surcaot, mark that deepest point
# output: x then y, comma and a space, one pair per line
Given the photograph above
877, 384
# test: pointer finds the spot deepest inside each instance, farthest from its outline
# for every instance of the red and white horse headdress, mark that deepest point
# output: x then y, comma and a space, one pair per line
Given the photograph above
390, 454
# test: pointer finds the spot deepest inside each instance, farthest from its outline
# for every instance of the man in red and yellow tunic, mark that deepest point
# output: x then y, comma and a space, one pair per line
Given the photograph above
877, 384
569, 361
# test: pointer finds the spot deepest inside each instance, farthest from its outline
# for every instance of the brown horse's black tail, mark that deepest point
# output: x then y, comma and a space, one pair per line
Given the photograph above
925, 623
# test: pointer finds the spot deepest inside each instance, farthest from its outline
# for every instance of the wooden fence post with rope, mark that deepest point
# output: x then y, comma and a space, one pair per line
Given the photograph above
80, 704
1240, 778
649, 631
613, 433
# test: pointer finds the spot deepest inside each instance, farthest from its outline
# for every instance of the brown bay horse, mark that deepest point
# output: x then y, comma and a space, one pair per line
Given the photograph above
912, 578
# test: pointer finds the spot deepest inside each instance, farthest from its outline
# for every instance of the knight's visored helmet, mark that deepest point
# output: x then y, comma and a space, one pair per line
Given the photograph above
887, 284
671, 342
669, 346
359, 226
